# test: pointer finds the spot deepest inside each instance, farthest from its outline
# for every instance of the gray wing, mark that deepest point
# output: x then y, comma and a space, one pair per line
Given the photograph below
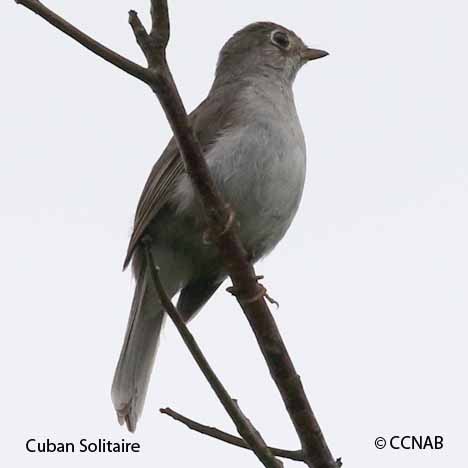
207, 120
155, 193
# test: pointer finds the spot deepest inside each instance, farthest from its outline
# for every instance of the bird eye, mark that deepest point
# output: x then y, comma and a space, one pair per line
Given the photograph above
280, 39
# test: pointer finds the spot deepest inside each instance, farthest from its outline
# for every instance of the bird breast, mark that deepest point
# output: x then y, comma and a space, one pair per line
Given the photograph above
259, 167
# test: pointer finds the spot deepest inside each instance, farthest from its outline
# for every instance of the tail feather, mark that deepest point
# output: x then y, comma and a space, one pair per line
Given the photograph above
136, 360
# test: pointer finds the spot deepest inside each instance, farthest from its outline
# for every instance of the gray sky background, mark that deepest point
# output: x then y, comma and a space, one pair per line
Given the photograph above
371, 277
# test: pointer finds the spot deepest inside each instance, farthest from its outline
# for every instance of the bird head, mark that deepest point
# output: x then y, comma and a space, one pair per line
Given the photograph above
265, 48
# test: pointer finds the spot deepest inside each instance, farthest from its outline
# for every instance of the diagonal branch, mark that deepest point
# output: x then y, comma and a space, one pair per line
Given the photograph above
141, 35
94, 46
243, 425
250, 294
228, 438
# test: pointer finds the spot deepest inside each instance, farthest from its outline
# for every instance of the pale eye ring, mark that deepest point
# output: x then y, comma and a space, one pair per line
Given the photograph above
280, 39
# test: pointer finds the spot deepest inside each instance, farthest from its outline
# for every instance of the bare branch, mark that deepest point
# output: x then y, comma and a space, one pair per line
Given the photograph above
140, 33
243, 425
153, 44
94, 46
160, 28
226, 437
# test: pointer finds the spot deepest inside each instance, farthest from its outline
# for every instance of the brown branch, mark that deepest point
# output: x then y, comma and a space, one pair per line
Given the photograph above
248, 291
94, 46
243, 425
226, 437
139, 31
160, 25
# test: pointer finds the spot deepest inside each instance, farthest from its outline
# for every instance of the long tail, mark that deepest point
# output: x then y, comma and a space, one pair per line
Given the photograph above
136, 360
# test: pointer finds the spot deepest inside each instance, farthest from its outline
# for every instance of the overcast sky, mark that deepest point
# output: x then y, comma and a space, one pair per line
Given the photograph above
371, 278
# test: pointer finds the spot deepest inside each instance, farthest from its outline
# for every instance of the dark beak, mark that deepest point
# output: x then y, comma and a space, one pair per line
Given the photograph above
313, 54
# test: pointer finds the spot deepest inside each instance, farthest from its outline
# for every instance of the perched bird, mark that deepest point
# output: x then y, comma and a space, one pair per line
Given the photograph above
254, 146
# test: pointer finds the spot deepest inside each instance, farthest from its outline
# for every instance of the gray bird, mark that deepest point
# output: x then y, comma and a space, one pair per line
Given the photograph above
254, 146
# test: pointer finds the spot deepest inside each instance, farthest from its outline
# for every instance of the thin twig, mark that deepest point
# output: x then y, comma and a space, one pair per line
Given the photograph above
226, 437
160, 25
243, 425
94, 46
140, 33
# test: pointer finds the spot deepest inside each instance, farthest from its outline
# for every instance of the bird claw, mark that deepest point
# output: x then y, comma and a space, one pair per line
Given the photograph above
271, 300
261, 292
209, 236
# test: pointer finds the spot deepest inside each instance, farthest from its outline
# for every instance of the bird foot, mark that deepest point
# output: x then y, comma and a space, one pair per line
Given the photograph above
209, 237
261, 292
